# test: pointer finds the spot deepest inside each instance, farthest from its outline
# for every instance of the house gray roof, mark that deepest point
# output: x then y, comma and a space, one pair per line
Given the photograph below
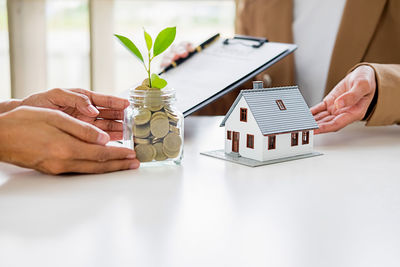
272, 120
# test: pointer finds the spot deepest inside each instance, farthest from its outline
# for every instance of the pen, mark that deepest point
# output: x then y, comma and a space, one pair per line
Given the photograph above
195, 51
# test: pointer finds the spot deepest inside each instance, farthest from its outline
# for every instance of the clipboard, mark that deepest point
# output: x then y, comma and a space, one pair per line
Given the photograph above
220, 67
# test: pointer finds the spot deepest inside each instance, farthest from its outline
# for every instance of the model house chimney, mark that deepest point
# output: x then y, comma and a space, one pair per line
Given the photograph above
258, 85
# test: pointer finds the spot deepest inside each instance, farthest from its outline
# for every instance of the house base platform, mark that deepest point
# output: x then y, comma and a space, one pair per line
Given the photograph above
220, 154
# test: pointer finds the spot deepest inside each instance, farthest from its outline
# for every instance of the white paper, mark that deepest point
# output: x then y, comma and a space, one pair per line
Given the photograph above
217, 67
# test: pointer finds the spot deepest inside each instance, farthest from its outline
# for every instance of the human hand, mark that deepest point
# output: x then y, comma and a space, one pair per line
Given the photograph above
347, 102
102, 111
182, 50
53, 142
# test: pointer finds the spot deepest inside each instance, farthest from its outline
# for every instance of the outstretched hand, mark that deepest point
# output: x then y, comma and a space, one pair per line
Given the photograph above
347, 102
102, 111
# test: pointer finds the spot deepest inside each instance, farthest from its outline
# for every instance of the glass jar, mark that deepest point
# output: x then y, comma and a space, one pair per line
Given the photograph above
153, 126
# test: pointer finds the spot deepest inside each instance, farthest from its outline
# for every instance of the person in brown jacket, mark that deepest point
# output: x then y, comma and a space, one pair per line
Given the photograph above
348, 61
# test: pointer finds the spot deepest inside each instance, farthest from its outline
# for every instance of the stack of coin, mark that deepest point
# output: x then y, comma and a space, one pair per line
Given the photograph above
156, 129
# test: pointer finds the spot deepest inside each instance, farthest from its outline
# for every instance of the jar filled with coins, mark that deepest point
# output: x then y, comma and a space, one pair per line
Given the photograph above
153, 126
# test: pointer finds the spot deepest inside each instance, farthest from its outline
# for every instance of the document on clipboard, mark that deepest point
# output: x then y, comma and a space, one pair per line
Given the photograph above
219, 67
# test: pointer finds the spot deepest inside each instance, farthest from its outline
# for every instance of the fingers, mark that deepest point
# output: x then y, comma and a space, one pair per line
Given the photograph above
113, 128
326, 119
352, 97
66, 98
81, 130
182, 50
321, 115
83, 151
103, 167
360, 83
111, 114
318, 108
347, 102
109, 125
85, 166
115, 136
189, 47
335, 123
102, 100
168, 59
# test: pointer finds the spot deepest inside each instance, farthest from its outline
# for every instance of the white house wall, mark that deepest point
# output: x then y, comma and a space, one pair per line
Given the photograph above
234, 124
284, 148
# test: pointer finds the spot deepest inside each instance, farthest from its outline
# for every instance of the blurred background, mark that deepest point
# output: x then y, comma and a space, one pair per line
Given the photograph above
69, 43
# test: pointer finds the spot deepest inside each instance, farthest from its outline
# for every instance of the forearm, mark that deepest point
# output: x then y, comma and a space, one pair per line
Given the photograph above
9, 105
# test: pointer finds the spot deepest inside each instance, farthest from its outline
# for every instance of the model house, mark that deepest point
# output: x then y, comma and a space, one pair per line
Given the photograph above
266, 124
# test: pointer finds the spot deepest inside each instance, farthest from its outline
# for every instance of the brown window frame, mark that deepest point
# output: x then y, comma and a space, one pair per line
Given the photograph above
306, 140
250, 141
270, 138
280, 104
243, 114
229, 135
295, 141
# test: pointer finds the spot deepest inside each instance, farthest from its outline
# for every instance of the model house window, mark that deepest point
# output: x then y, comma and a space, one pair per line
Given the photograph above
280, 104
271, 142
250, 141
229, 135
243, 114
295, 139
306, 138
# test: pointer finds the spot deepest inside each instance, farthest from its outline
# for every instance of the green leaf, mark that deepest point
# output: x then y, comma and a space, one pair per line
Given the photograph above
164, 39
157, 82
149, 41
130, 46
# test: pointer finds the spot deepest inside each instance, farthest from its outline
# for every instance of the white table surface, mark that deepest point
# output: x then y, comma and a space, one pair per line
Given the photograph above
339, 209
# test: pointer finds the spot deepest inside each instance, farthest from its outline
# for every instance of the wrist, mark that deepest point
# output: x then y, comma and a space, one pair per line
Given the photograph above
374, 100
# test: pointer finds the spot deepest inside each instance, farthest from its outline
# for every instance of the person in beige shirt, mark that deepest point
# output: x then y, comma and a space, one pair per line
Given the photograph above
363, 78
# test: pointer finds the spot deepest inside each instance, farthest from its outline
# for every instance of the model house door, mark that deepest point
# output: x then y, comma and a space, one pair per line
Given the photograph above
235, 142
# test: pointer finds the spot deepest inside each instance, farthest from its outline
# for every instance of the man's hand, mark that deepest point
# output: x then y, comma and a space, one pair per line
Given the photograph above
53, 142
347, 102
94, 108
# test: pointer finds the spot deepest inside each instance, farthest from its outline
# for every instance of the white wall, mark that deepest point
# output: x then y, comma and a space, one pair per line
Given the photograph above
53, 37
284, 148
250, 127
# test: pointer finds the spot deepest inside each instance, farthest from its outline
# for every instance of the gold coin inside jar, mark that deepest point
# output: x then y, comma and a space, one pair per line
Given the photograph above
159, 114
159, 127
174, 129
142, 117
172, 145
142, 88
155, 107
146, 82
141, 141
145, 153
159, 152
141, 131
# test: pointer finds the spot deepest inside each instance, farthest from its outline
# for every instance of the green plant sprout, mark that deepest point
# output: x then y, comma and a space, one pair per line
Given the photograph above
164, 40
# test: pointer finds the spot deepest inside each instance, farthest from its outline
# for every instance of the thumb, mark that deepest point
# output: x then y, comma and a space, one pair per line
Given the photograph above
67, 98
81, 130
351, 97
